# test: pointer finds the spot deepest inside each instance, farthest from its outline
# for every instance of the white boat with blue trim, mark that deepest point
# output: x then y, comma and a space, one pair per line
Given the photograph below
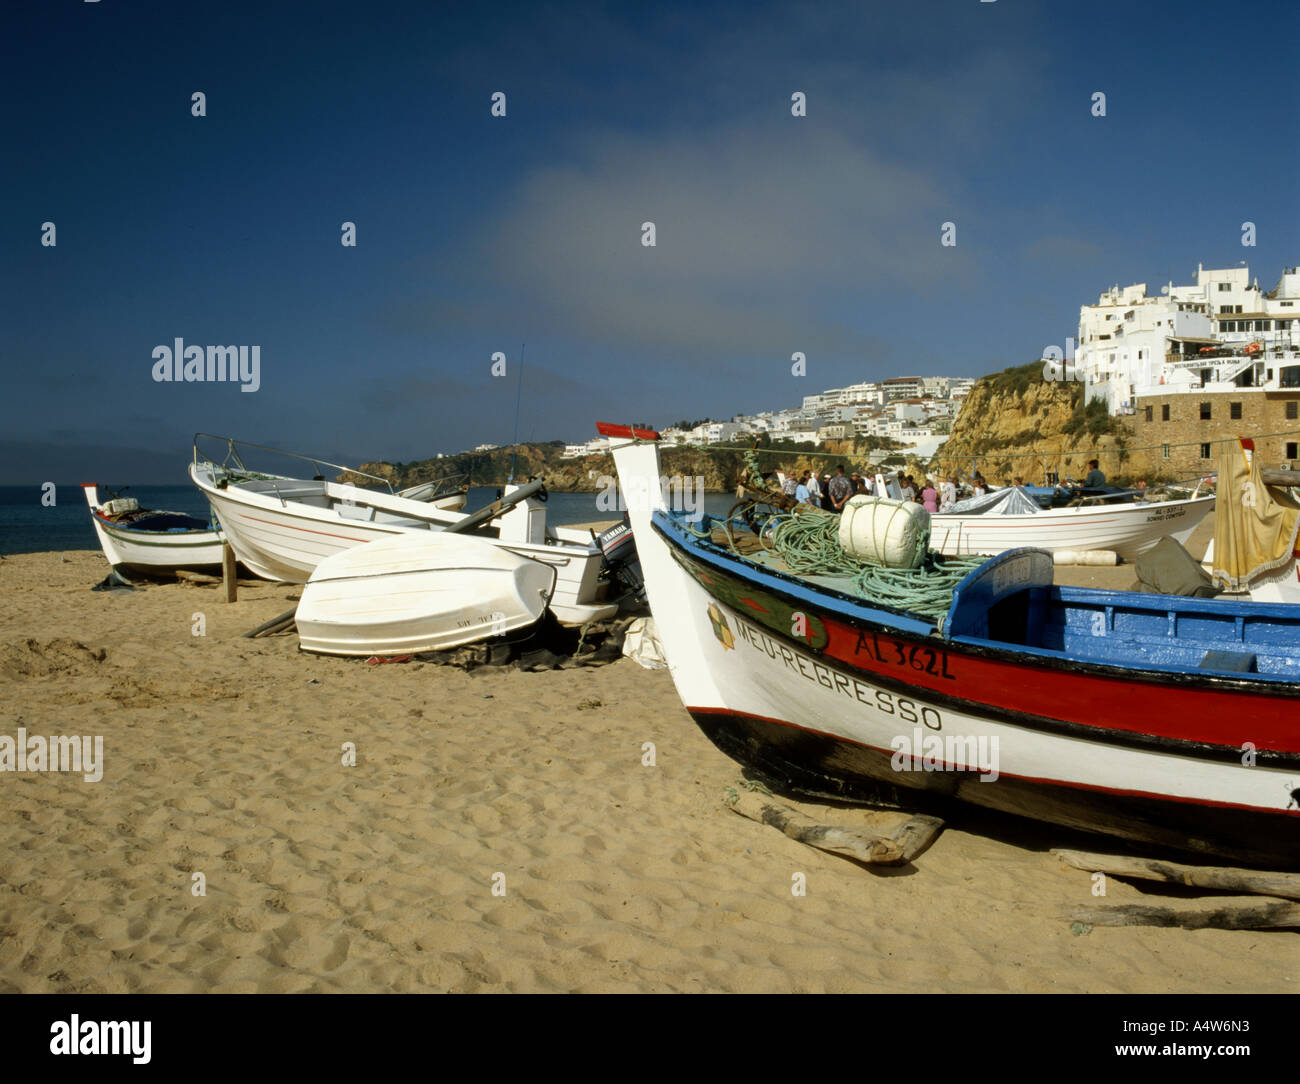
1169, 721
145, 540
282, 528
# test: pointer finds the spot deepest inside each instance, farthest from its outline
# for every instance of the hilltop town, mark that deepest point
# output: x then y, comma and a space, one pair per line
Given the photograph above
1150, 385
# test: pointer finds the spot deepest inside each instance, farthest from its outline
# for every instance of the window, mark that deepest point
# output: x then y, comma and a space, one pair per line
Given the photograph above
1236, 308
1292, 409
1225, 308
1224, 287
1291, 450
1205, 412
1234, 411
1164, 417
1205, 451
1286, 304
1164, 451
1151, 411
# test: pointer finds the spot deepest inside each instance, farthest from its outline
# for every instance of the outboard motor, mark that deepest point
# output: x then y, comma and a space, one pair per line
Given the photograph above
621, 563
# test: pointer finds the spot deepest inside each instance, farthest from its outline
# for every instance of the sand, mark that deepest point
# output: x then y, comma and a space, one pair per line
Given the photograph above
223, 757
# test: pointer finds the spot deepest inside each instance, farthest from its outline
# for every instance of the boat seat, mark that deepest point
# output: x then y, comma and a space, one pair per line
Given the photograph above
1234, 662
1005, 599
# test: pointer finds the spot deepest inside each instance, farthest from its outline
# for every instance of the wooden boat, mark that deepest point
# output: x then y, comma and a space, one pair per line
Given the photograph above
281, 528
152, 540
419, 592
1114, 712
1128, 529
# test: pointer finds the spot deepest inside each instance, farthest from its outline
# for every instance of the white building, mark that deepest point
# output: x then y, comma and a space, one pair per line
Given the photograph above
835, 431
1221, 334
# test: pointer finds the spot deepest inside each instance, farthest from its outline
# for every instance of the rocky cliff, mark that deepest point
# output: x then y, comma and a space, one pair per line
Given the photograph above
720, 469
1015, 423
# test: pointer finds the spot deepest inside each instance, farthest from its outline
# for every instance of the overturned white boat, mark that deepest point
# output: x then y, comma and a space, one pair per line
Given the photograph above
282, 528
149, 540
1010, 518
420, 592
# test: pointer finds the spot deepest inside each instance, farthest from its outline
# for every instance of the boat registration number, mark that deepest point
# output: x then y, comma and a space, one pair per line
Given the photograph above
926, 660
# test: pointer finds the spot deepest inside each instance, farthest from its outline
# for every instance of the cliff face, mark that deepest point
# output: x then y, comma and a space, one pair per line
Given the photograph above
589, 474
720, 469
1015, 423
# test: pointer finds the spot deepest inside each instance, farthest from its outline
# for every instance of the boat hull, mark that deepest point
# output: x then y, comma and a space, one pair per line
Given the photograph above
413, 594
797, 684
153, 551
824, 726
285, 532
1128, 529
837, 769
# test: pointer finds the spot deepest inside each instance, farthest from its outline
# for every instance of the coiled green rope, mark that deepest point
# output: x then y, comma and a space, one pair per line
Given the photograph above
808, 542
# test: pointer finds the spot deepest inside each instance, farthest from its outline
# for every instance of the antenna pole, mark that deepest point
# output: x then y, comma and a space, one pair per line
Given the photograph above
518, 391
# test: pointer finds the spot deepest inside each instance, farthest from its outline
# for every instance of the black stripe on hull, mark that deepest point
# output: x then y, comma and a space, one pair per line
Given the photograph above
823, 766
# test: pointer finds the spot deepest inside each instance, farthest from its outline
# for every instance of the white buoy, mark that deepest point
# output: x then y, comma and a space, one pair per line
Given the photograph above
1100, 558
884, 532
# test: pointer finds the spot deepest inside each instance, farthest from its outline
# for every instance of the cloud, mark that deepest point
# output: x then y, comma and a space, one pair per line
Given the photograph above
765, 237
1061, 251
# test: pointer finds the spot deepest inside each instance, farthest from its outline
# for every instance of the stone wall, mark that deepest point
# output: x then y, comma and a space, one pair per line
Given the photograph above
1176, 447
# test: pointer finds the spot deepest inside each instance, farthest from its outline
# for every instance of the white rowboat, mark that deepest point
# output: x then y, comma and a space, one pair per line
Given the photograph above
283, 528
1126, 529
148, 540
419, 592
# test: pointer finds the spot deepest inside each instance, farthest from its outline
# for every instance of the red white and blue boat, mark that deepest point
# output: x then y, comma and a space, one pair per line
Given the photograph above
152, 540
1168, 721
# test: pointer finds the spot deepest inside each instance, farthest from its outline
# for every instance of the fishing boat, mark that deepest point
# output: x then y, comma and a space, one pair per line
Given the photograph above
1011, 518
147, 540
420, 592
282, 527
1167, 721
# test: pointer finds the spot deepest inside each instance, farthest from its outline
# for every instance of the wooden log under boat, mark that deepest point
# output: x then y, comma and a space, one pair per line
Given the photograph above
902, 844
1285, 885
1225, 913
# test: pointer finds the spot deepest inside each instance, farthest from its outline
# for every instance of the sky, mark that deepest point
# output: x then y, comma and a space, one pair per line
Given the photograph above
523, 234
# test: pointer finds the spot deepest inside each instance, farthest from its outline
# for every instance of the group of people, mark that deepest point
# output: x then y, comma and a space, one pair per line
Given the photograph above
833, 491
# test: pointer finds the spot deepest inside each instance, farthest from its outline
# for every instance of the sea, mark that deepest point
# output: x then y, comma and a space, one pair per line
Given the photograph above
29, 526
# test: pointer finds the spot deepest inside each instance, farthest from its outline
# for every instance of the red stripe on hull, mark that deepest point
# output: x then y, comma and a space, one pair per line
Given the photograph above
1125, 702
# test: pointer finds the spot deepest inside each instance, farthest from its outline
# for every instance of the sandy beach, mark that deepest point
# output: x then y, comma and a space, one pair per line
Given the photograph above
223, 757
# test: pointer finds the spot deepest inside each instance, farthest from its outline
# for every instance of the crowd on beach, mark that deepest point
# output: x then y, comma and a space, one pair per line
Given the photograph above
833, 491
937, 493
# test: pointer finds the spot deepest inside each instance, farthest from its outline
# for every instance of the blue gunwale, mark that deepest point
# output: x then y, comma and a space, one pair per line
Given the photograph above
1079, 599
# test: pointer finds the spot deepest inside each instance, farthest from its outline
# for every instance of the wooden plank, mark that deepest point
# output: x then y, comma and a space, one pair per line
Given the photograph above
904, 841
916, 834
1285, 885
228, 572
1280, 477
1227, 913
196, 577
859, 845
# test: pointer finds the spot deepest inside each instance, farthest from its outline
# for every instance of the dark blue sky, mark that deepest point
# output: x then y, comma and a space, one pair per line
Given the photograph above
774, 233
